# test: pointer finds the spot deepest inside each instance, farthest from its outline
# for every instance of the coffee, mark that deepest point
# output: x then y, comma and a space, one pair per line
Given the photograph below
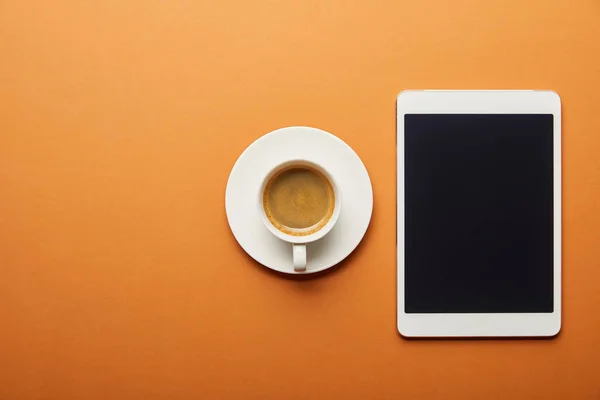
298, 200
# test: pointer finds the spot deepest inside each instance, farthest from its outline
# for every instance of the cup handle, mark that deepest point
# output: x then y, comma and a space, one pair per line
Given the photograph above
299, 256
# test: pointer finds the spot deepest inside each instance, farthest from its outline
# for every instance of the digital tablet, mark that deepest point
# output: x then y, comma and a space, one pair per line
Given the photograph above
479, 213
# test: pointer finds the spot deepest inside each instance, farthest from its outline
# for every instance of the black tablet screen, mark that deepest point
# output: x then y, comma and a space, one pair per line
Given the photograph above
478, 213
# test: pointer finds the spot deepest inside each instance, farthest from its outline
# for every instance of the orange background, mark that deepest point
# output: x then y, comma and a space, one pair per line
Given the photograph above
119, 124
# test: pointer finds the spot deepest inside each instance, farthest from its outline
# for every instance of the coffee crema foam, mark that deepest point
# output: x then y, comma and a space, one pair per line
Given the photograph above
298, 200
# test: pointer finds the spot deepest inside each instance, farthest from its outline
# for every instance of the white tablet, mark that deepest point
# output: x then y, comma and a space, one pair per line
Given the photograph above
479, 213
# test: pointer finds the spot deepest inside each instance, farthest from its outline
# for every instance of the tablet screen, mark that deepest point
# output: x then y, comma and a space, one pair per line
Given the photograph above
478, 213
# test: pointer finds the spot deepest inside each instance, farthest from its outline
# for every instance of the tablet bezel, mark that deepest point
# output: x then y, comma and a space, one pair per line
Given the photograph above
479, 102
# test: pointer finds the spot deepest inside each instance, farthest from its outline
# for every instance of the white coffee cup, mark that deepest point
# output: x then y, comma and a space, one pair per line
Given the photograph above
299, 242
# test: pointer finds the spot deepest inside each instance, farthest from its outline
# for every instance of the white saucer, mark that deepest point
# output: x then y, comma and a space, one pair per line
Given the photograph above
313, 145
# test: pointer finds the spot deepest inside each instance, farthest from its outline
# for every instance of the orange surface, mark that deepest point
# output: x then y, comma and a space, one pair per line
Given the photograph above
119, 123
